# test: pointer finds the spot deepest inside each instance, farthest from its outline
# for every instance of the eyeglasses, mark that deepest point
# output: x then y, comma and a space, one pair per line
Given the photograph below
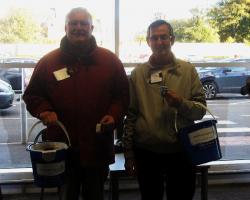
76, 22
155, 38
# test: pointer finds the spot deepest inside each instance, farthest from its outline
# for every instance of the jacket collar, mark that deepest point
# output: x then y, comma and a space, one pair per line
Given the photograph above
83, 54
172, 66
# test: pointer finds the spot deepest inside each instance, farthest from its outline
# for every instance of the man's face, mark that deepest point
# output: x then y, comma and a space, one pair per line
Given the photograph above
160, 40
78, 28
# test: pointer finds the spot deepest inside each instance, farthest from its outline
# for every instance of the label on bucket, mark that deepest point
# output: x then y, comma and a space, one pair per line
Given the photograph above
202, 135
50, 169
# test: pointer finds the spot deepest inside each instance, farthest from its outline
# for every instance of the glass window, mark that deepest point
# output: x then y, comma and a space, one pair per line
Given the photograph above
199, 36
28, 31
222, 61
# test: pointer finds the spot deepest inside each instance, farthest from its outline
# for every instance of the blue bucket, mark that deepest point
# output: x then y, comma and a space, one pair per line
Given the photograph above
48, 160
201, 142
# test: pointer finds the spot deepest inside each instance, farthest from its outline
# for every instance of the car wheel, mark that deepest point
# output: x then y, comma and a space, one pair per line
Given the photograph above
210, 90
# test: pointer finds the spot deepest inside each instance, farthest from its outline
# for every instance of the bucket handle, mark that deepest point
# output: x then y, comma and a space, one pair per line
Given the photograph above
196, 103
58, 123
206, 108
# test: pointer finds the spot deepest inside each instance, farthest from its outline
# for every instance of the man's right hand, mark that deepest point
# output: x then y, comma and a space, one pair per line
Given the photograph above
173, 99
130, 166
48, 117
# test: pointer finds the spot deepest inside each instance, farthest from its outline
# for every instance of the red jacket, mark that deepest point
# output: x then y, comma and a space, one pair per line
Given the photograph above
96, 87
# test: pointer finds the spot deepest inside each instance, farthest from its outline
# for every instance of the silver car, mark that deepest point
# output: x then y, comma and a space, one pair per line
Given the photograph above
6, 95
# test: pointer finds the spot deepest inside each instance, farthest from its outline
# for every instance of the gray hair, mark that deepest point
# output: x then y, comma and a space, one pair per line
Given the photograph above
76, 10
158, 23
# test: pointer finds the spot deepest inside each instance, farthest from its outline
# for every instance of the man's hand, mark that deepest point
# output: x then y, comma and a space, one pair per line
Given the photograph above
107, 124
130, 166
173, 99
107, 119
48, 117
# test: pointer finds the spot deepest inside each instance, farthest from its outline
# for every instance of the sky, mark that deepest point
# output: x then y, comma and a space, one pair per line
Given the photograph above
176, 8
137, 14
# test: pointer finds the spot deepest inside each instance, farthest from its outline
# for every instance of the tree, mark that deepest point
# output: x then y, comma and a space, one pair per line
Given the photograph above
19, 26
140, 37
196, 29
200, 30
232, 18
179, 27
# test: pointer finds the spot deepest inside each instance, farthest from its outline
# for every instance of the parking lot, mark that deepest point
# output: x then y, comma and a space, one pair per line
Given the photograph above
231, 111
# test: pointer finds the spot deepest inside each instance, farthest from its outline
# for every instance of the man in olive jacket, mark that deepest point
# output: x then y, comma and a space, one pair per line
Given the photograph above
152, 149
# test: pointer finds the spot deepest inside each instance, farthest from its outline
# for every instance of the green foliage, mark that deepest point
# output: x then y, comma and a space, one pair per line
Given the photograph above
179, 27
230, 40
194, 30
18, 27
228, 21
140, 38
232, 18
247, 42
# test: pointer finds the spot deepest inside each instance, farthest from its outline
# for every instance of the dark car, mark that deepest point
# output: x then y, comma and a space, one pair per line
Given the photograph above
219, 79
13, 76
222, 79
6, 95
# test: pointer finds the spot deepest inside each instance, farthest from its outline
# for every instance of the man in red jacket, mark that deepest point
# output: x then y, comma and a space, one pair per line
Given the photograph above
81, 85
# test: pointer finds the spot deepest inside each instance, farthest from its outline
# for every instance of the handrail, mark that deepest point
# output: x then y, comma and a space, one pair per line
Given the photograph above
200, 64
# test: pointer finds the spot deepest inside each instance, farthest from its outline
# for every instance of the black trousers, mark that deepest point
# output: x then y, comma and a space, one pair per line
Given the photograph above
159, 172
87, 181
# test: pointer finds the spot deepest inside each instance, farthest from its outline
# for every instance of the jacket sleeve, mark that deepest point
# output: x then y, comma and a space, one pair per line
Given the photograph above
129, 127
189, 109
35, 95
120, 92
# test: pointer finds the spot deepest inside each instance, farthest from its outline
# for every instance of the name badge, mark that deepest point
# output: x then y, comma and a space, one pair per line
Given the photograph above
156, 77
61, 74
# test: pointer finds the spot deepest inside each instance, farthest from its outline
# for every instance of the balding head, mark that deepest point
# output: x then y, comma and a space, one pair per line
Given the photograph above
78, 10
78, 26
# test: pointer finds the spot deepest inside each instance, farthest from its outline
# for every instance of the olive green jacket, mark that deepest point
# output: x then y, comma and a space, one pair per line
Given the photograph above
150, 122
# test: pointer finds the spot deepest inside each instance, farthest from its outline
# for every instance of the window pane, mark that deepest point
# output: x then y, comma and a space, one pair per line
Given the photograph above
43, 25
213, 56
30, 29
198, 34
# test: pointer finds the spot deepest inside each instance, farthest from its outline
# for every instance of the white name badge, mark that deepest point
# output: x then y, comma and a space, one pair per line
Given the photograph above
156, 77
61, 74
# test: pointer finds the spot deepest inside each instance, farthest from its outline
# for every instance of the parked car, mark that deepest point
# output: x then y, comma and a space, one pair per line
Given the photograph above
222, 79
13, 76
6, 95
219, 79
242, 60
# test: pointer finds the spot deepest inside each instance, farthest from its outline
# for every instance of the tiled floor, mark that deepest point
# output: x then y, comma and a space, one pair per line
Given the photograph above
216, 192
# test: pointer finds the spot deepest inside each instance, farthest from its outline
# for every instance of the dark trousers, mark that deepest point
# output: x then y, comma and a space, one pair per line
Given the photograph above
89, 182
157, 172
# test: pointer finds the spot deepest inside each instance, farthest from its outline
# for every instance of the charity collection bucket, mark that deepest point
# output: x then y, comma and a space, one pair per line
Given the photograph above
48, 160
200, 141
